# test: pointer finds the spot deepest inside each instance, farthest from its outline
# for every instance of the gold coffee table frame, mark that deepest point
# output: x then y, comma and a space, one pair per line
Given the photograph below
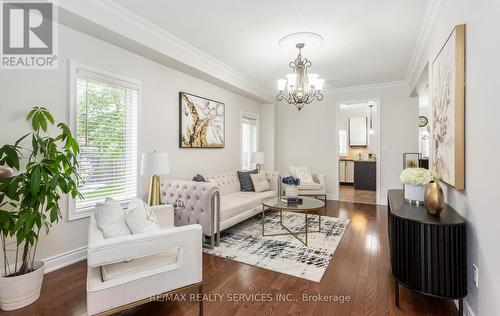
308, 205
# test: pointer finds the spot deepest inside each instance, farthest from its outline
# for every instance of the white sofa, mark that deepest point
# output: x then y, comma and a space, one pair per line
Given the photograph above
237, 206
217, 204
129, 270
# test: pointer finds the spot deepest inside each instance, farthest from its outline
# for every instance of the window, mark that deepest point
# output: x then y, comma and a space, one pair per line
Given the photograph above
105, 122
343, 143
249, 140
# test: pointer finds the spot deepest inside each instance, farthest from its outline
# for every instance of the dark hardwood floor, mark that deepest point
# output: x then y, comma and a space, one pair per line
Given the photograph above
360, 269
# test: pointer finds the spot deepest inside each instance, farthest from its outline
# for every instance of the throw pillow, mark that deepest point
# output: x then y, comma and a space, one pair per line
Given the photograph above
199, 178
110, 218
260, 182
303, 173
245, 180
140, 218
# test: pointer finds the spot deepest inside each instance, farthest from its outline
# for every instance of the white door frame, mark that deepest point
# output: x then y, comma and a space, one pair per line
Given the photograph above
377, 147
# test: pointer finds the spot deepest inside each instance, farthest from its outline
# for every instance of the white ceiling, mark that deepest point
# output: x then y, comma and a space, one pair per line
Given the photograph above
365, 41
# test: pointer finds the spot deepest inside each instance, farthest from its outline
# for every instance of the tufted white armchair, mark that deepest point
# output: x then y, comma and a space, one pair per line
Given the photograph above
130, 270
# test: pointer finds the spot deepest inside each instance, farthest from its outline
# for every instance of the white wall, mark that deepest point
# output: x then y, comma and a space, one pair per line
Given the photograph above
268, 135
308, 137
21, 89
478, 203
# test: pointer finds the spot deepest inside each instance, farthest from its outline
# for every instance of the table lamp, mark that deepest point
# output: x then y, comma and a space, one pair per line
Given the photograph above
259, 159
154, 164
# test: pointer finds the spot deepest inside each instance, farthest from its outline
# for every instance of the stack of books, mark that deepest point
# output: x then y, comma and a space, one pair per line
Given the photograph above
291, 201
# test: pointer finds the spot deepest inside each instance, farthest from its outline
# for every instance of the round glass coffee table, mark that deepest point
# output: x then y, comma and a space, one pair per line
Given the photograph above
308, 206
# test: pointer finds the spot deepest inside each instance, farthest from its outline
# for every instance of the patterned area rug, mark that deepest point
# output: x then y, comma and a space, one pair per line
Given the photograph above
284, 254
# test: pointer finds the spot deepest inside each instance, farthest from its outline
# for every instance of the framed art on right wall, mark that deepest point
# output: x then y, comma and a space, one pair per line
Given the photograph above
448, 110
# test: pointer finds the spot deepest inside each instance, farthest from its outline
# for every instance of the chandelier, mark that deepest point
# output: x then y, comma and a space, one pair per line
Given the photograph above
300, 87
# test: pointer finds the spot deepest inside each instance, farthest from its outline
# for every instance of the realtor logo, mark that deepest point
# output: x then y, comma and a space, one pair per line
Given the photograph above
28, 35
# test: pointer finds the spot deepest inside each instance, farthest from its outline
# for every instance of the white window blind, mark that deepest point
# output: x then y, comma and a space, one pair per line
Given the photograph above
249, 141
106, 129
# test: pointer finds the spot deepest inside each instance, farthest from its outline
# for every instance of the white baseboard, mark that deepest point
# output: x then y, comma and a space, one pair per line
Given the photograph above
467, 309
65, 259
332, 196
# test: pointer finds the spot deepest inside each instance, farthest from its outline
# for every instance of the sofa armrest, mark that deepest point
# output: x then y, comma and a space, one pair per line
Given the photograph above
123, 248
319, 178
274, 179
194, 203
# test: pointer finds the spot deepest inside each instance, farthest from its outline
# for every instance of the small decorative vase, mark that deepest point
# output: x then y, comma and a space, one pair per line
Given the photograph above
291, 191
433, 198
414, 193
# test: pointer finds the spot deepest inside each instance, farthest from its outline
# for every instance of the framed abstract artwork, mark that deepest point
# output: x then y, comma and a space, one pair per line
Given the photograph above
448, 109
201, 122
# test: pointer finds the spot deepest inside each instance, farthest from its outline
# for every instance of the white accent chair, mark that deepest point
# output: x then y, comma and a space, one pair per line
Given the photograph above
316, 189
130, 270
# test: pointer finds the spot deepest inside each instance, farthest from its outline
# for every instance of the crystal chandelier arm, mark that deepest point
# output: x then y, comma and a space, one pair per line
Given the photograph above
281, 96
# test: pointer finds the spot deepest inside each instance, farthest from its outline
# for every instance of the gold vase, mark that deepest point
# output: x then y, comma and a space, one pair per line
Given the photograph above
433, 198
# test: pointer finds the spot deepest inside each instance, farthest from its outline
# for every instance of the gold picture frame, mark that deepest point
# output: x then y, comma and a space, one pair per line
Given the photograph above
448, 109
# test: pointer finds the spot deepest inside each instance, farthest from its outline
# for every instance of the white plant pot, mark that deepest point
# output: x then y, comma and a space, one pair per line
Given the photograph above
22, 290
414, 193
291, 191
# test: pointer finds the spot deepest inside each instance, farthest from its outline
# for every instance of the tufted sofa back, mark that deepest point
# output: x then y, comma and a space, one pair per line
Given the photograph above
227, 182
197, 200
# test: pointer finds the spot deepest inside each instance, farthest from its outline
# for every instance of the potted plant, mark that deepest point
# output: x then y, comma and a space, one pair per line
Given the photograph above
29, 202
291, 184
414, 180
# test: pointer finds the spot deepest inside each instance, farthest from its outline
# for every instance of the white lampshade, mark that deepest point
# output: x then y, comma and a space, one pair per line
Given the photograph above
154, 164
319, 84
312, 78
259, 157
291, 79
281, 84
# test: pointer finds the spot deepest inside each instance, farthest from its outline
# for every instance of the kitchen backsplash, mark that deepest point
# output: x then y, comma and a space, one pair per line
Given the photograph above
354, 152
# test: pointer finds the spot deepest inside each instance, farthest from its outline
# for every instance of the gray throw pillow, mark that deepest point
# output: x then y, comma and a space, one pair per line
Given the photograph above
245, 180
199, 178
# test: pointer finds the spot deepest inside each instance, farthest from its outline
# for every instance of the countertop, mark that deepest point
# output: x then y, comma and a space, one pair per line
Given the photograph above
356, 160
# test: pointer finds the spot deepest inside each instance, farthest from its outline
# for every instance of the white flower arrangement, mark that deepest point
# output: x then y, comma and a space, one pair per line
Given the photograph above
418, 176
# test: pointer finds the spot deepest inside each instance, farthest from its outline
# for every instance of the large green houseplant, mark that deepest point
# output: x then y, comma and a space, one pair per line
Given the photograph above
29, 201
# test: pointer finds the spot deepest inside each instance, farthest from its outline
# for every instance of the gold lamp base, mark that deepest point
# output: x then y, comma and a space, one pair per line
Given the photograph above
154, 191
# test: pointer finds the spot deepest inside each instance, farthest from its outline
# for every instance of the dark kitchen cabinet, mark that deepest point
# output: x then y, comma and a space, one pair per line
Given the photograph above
365, 175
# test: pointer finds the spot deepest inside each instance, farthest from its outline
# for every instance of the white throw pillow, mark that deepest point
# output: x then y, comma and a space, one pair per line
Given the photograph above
140, 218
110, 219
260, 182
303, 173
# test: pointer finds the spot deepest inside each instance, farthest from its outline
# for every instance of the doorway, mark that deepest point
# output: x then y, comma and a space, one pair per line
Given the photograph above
358, 157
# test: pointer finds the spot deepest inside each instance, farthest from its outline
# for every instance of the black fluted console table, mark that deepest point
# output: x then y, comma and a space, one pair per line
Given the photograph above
428, 253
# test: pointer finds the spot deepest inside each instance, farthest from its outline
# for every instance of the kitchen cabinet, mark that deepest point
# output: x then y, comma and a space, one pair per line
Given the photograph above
358, 133
365, 175
342, 171
346, 171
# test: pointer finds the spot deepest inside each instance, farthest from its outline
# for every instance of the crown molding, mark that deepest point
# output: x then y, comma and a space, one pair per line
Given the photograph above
182, 56
367, 86
428, 23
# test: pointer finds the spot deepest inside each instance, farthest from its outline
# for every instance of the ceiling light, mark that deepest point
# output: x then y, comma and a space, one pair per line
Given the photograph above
300, 88
371, 130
